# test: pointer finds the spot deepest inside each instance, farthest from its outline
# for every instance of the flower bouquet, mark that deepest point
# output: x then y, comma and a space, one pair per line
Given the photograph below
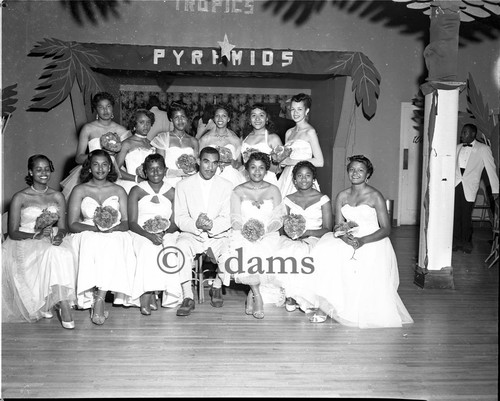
186, 163
294, 225
225, 155
47, 218
345, 228
246, 154
111, 142
156, 225
280, 153
253, 230
106, 217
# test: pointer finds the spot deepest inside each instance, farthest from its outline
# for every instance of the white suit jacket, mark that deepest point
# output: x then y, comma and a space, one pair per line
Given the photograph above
189, 204
480, 157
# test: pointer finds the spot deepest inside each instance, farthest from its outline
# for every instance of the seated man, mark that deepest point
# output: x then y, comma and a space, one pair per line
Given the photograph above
202, 213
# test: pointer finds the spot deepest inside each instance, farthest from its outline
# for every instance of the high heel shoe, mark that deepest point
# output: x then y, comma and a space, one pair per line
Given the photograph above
146, 304
258, 313
249, 304
67, 325
153, 302
95, 317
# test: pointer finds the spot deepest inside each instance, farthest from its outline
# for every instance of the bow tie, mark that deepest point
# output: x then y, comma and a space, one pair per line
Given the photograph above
467, 144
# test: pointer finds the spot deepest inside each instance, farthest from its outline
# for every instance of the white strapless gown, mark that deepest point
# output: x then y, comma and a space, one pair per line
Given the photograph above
36, 275
358, 288
301, 150
106, 260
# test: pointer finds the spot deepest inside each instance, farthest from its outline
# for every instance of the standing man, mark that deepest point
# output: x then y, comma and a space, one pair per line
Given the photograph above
202, 213
472, 157
162, 122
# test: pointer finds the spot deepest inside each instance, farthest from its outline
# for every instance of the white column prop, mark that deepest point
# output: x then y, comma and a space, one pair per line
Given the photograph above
436, 236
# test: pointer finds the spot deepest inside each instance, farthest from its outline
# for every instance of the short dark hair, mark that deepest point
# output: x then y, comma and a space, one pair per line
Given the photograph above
361, 159
209, 150
135, 115
86, 174
307, 164
259, 156
31, 164
302, 97
100, 96
470, 127
154, 101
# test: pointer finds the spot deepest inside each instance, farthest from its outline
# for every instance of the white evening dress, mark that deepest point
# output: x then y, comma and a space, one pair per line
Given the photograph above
73, 178
148, 275
298, 268
162, 141
249, 259
228, 172
359, 288
134, 159
264, 148
105, 260
301, 150
36, 274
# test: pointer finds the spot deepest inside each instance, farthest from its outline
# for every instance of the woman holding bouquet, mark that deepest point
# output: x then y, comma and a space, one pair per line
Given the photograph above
261, 138
358, 287
151, 221
97, 213
90, 137
135, 149
308, 217
177, 147
39, 271
302, 143
256, 214
228, 144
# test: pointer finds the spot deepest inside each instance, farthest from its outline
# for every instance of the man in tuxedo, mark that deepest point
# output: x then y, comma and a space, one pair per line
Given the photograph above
202, 213
472, 157
162, 122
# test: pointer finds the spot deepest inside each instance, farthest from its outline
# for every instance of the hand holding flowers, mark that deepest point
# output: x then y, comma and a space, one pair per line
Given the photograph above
203, 222
186, 163
253, 230
294, 225
44, 223
106, 217
156, 225
111, 142
280, 153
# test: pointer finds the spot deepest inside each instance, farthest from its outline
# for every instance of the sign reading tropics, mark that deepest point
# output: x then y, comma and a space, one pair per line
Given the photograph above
246, 57
215, 6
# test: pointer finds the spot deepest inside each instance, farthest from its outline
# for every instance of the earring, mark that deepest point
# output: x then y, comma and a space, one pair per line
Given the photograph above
112, 115
97, 116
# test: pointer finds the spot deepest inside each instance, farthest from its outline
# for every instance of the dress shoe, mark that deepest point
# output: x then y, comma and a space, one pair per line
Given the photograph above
456, 248
186, 307
468, 248
216, 297
291, 304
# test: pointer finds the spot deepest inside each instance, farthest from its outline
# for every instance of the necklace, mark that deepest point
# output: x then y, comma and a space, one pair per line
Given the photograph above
255, 187
40, 192
224, 135
140, 136
180, 138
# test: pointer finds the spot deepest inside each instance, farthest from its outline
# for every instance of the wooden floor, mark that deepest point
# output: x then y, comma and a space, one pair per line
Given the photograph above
449, 353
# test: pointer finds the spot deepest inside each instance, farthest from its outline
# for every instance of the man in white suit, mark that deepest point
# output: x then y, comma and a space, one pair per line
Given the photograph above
472, 157
202, 213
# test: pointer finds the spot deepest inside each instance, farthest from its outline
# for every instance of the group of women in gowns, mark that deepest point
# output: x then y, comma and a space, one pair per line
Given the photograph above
353, 279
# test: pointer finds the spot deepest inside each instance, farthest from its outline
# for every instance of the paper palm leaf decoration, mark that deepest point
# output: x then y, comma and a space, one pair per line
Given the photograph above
8, 100
470, 10
70, 61
365, 79
481, 111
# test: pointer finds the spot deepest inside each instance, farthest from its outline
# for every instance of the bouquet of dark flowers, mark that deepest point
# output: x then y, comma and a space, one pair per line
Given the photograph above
106, 217
280, 153
186, 163
253, 230
47, 218
225, 155
156, 225
246, 154
294, 225
345, 228
111, 142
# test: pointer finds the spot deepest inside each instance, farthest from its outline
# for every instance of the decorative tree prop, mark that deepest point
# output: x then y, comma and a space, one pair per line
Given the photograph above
71, 60
8, 102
